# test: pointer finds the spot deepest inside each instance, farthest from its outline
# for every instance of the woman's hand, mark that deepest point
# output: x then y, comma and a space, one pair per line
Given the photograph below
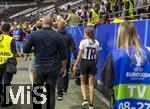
74, 69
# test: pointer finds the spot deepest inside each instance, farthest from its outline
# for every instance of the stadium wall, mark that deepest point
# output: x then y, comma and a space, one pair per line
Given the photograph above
106, 34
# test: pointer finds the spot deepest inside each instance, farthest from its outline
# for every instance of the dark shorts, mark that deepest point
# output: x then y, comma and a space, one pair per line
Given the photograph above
88, 67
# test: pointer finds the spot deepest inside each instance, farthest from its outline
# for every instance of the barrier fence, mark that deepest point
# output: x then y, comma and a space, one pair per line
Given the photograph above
106, 34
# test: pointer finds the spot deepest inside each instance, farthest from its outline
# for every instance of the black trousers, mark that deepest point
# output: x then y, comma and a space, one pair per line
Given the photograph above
47, 74
5, 80
62, 83
2, 71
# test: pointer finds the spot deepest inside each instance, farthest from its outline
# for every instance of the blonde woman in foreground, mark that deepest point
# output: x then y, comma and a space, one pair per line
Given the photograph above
126, 72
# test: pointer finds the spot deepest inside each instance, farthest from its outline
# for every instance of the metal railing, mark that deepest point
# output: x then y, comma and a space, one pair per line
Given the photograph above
18, 4
141, 7
119, 13
113, 14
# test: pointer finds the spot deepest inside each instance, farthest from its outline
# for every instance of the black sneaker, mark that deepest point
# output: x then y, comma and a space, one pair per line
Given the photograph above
7, 105
1, 99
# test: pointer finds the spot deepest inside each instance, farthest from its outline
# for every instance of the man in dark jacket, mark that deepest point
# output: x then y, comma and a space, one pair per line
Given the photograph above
50, 58
62, 83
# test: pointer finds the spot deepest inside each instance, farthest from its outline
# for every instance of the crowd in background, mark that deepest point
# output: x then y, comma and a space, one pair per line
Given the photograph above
105, 10
91, 12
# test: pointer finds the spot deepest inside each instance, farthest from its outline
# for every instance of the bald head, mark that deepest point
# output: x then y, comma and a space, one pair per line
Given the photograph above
61, 24
38, 24
47, 21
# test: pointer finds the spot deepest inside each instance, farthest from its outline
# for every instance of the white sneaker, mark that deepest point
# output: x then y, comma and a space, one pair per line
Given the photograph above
91, 107
59, 98
84, 105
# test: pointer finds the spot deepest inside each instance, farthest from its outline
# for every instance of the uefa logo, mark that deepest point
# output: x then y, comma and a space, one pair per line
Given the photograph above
138, 69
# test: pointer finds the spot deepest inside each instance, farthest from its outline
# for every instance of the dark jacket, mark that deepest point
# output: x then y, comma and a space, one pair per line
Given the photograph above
108, 77
69, 43
48, 46
0, 32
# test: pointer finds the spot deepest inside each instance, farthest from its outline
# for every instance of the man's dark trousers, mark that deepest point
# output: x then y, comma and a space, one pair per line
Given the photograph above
62, 83
46, 73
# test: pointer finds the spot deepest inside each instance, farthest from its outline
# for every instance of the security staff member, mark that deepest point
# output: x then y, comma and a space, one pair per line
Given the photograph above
50, 57
94, 16
89, 48
126, 73
62, 83
128, 9
7, 50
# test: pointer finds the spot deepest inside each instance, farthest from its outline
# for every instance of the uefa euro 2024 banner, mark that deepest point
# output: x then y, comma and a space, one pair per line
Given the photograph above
106, 34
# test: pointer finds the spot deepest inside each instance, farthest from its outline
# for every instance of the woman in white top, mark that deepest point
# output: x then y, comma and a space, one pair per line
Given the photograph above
88, 55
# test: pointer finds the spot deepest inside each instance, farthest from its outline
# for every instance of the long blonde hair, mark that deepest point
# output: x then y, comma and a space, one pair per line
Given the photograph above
90, 33
127, 36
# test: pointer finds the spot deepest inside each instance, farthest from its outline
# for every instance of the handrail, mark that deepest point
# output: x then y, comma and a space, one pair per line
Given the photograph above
118, 12
135, 15
24, 4
140, 7
113, 13
111, 19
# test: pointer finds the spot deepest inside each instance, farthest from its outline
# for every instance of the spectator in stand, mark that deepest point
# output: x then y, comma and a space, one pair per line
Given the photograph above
120, 5
68, 7
86, 1
140, 3
72, 18
115, 7
148, 10
90, 5
85, 15
102, 8
109, 6
79, 11
58, 17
